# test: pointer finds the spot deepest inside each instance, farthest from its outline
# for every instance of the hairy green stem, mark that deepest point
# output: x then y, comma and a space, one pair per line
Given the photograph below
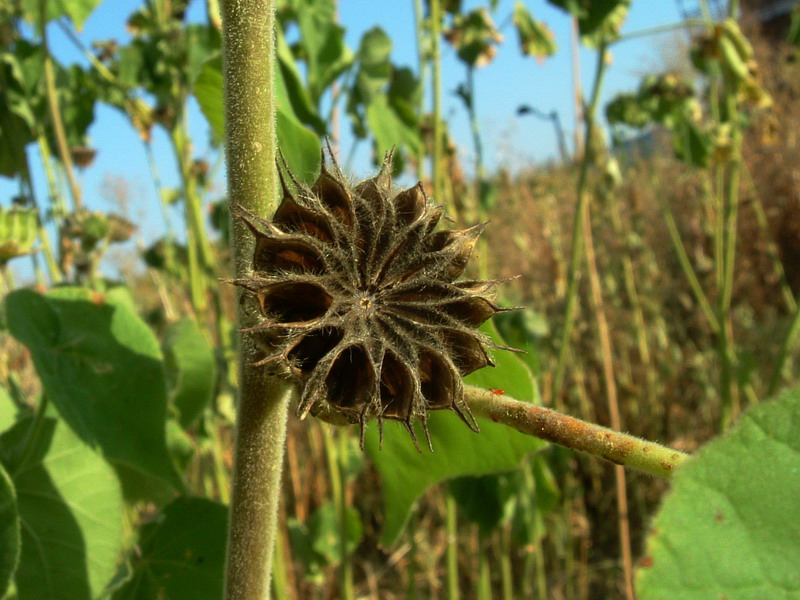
547, 424
248, 64
576, 249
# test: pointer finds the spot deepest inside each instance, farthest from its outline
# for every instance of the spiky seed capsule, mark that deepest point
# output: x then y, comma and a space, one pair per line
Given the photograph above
358, 297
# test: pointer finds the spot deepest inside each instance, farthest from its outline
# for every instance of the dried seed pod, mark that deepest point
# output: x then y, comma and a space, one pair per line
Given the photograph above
358, 296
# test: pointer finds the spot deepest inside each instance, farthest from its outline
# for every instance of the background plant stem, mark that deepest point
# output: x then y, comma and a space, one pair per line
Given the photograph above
613, 405
438, 133
248, 57
576, 250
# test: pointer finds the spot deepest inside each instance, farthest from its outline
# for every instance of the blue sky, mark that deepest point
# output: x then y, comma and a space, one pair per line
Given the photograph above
509, 81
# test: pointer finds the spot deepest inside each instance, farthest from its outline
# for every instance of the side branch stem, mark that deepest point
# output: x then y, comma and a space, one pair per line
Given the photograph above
547, 424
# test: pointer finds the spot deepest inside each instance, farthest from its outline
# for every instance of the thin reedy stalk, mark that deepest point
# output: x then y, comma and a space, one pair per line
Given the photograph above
451, 518
728, 220
55, 115
683, 259
550, 425
783, 354
474, 126
438, 130
606, 353
56, 198
422, 60
772, 249
632, 292
576, 249
44, 237
200, 250
334, 454
280, 583
249, 73
484, 571
506, 571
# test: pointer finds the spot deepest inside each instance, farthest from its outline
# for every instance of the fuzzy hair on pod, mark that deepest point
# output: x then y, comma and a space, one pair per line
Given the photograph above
359, 298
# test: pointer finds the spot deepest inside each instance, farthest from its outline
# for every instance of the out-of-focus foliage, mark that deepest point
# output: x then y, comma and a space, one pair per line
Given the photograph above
535, 39
18, 231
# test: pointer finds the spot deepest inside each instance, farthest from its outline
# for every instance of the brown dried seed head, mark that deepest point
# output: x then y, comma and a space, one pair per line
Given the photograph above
358, 297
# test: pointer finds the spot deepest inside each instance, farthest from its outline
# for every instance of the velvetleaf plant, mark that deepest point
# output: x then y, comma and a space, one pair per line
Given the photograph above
360, 300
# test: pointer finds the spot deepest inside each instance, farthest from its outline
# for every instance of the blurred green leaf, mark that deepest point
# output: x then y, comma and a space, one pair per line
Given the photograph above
389, 130
323, 528
488, 194
475, 37
290, 85
19, 228
406, 473
535, 39
181, 554
323, 46
76, 10
299, 145
101, 367
486, 500
17, 120
191, 369
316, 542
71, 512
599, 21
374, 66
793, 36
208, 91
181, 447
730, 527
9, 531
8, 412
692, 144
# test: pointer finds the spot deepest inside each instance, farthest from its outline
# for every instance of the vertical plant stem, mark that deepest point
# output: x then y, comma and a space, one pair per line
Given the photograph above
248, 64
576, 249
541, 571
438, 133
201, 258
484, 571
685, 263
280, 581
55, 113
613, 404
772, 249
44, 237
577, 94
422, 59
783, 354
728, 219
56, 199
453, 592
631, 290
335, 458
506, 572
